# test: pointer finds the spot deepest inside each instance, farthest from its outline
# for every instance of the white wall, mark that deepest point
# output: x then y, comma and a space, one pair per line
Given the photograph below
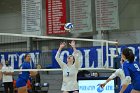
10, 23
129, 17
10, 16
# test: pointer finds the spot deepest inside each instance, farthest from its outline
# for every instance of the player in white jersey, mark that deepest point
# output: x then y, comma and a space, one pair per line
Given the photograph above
119, 73
70, 69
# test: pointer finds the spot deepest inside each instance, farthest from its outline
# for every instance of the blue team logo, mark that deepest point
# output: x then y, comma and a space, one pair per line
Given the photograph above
99, 88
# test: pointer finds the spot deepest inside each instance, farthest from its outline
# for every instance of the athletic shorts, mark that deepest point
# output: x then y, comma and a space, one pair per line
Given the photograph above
72, 91
20, 82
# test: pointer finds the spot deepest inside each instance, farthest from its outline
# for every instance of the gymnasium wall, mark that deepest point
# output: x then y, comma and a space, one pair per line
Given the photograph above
129, 18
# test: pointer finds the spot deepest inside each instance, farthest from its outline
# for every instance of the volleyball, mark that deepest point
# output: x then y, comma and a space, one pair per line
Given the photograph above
68, 27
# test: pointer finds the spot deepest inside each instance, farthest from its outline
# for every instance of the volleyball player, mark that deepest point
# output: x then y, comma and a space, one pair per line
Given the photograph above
118, 73
70, 69
131, 69
24, 75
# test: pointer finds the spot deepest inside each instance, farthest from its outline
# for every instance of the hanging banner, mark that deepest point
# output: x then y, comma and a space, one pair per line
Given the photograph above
106, 14
91, 57
17, 58
31, 17
80, 15
55, 16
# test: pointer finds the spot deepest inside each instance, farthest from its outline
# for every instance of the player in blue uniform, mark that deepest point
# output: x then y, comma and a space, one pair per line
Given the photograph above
24, 75
131, 70
118, 73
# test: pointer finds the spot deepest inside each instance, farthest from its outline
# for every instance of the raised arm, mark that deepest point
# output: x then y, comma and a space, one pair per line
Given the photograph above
57, 56
73, 46
76, 55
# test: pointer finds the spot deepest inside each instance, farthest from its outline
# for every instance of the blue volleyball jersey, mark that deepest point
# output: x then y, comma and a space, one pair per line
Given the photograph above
133, 70
25, 74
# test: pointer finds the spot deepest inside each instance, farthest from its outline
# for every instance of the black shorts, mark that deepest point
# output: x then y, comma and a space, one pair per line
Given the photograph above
73, 91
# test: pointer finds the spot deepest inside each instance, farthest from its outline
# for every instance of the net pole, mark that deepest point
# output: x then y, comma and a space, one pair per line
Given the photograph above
102, 49
107, 54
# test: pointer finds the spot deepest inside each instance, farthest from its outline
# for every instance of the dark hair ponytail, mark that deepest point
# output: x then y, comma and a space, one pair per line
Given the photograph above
128, 53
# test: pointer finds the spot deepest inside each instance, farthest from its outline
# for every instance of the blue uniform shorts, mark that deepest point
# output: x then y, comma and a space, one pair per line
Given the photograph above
20, 82
136, 85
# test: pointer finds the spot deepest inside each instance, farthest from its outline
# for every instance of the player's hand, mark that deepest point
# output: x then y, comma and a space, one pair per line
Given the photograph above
62, 44
72, 43
38, 67
102, 85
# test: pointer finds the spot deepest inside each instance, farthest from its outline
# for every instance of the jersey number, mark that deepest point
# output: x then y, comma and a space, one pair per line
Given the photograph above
137, 67
68, 73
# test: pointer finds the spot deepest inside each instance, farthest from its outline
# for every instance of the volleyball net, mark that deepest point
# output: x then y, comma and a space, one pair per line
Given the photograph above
94, 54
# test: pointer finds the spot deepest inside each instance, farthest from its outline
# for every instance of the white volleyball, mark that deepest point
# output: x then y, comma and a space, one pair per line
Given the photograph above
68, 27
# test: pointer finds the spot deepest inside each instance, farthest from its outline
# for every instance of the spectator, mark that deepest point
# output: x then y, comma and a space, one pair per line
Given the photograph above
36, 79
0, 71
7, 78
95, 74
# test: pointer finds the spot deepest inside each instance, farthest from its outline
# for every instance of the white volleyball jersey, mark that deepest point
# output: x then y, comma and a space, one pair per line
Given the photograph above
118, 73
69, 75
69, 78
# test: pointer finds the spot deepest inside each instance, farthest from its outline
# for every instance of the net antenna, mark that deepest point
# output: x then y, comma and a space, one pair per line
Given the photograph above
117, 44
66, 38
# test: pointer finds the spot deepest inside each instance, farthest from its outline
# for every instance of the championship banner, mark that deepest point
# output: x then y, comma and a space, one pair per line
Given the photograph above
106, 14
31, 17
55, 16
80, 15
91, 57
17, 58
